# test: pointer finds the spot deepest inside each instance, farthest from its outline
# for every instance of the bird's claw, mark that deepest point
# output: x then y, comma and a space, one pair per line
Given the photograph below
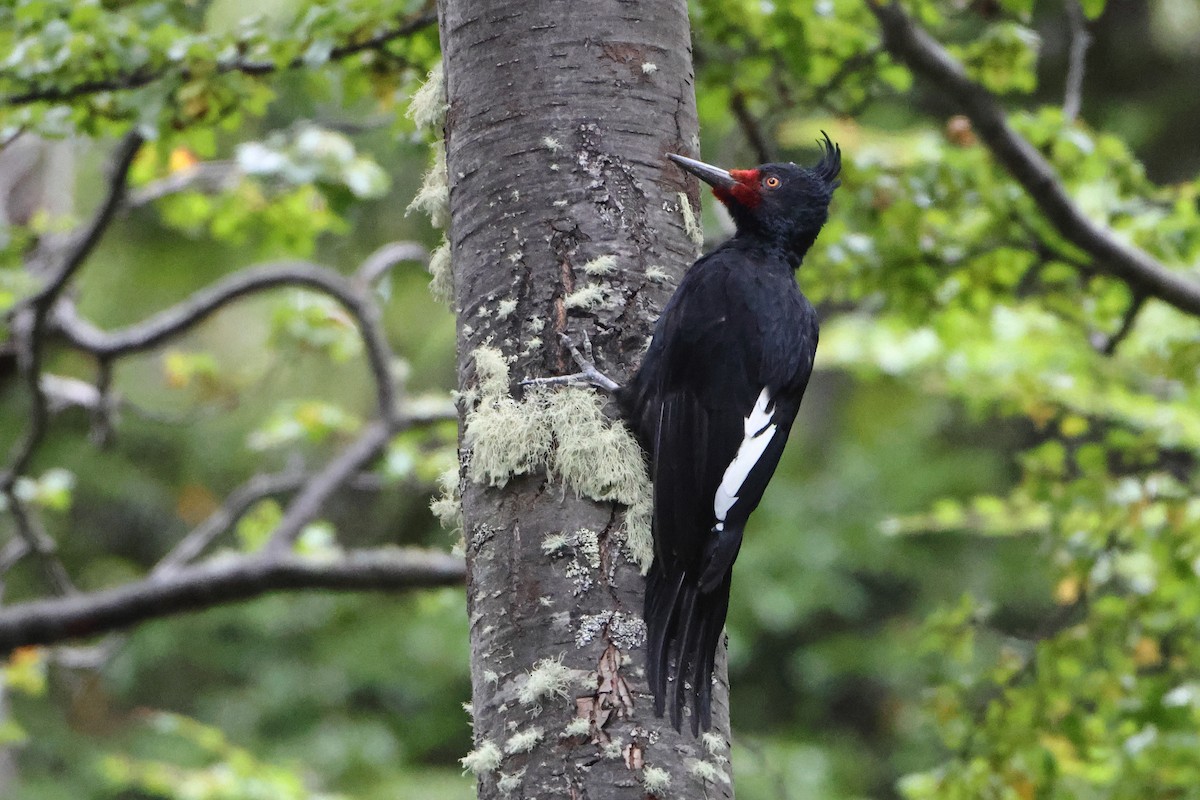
582, 359
588, 375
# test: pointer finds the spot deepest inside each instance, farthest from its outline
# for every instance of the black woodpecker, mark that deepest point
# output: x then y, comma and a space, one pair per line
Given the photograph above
712, 404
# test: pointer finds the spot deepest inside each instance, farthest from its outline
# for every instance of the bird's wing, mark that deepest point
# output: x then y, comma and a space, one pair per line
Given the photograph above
734, 366
712, 403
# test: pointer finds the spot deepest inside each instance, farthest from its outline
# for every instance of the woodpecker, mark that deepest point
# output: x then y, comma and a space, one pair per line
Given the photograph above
713, 402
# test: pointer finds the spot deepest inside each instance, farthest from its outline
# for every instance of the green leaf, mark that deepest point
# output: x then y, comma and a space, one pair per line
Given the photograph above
255, 527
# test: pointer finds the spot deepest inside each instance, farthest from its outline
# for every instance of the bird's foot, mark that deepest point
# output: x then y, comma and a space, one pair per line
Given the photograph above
588, 375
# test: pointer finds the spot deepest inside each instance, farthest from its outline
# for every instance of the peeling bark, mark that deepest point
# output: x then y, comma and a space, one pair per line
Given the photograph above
559, 118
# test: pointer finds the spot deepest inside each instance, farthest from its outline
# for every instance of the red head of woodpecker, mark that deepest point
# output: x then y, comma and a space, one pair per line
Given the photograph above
784, 204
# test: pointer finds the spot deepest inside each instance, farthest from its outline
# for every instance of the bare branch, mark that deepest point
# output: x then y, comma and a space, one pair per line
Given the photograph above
218, 582
910, 44
136, 79
750, 127
62, 393
239, 501
85, 240
13, 551
314, 488
308, 502
39, 543
209, 176
29, 316
376, 265
1081, 39
25, 330
1108, 346
150, 333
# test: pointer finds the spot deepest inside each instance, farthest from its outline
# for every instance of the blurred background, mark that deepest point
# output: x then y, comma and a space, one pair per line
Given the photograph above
360, 695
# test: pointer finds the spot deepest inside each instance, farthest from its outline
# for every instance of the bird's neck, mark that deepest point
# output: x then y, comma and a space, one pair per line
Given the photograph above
789, 250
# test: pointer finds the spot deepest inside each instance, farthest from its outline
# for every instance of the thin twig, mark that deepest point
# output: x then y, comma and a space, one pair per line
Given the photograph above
209, 176
376, 265
912, 45
11, 554
261, 487
1081, 39
25, 330
311, 498
39, 543
750, 127
85, 240
28, 318
218, 582
170, 322
239, 501
136, 79
1109, 346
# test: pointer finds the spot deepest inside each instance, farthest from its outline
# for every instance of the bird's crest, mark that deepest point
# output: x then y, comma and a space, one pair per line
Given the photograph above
831, 161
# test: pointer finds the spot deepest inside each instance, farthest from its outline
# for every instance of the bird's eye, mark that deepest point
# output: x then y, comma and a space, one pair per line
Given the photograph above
772, 182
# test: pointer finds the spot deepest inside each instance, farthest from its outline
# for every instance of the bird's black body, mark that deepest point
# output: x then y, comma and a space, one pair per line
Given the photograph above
713, 402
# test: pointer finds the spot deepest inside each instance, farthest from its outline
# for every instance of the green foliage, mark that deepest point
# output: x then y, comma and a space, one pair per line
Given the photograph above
312, 321
1003, 59
312, 421
425, 454
51, 491
225, 772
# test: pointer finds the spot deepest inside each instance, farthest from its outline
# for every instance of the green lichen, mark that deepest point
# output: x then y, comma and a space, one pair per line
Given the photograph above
505, 307
548, 678
510, 781
564, 432
523, 741
555, 543
614, 748
585, 297
503, 438
532, 346
716, 745
441, 286
447, 506
707, 771
690, 225
483, 759
427, 107
578, 726
601, 265
656, 779
593, 456
639, 540
657, 275
433, 198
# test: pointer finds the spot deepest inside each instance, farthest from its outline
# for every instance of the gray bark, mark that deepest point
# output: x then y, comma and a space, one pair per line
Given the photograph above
559, 118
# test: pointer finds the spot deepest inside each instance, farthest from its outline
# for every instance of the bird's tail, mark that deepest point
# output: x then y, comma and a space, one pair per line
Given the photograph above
683, 627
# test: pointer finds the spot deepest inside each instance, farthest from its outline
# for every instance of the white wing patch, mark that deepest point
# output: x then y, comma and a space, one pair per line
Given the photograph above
759, 430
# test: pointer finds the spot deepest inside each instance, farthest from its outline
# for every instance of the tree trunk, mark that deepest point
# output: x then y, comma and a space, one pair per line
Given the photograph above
565, 217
